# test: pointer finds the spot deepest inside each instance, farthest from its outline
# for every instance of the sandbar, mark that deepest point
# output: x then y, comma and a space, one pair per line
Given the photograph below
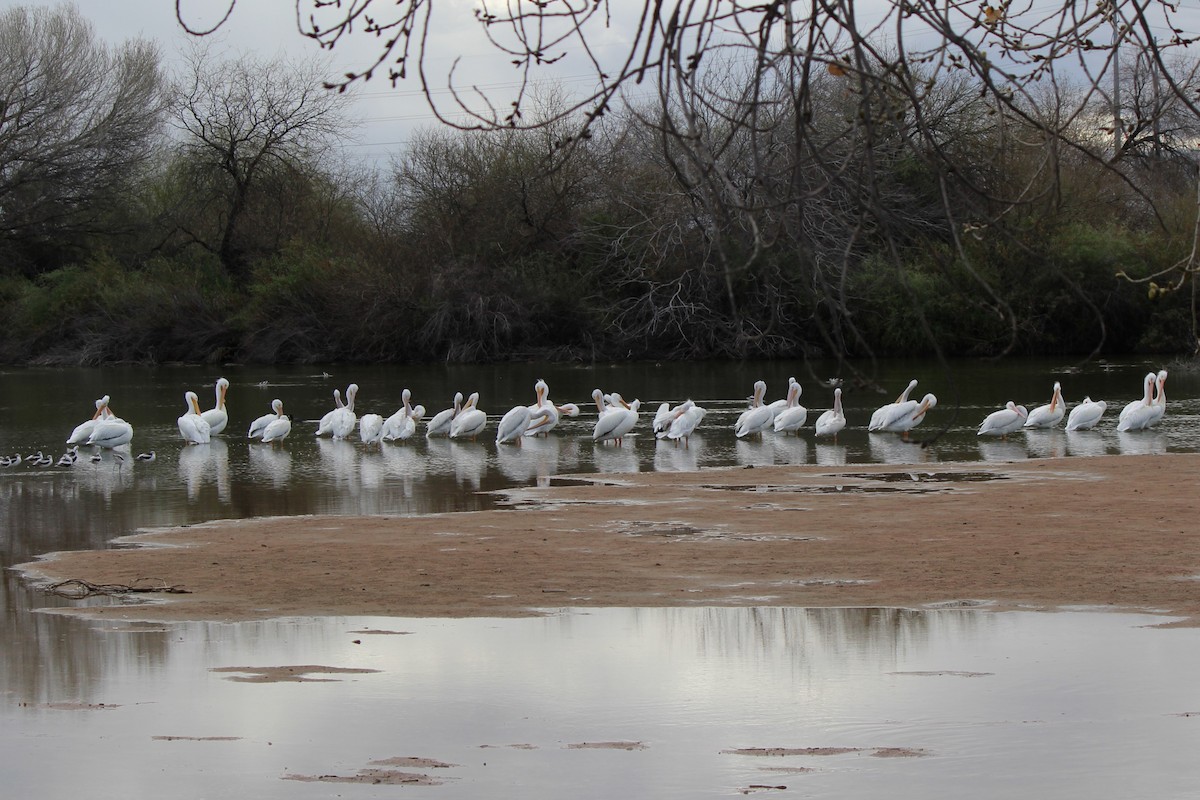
1111, 532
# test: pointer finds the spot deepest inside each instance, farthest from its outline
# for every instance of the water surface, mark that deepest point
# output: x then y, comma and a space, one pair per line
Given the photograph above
1075, 705
664, 703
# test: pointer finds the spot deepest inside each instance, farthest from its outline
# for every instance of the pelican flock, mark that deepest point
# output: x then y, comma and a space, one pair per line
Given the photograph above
615, 419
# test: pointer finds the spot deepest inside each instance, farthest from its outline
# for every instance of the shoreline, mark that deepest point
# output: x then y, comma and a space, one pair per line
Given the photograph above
1106, 532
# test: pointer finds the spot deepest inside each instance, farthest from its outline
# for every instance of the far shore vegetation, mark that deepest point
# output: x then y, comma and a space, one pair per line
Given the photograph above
208, 214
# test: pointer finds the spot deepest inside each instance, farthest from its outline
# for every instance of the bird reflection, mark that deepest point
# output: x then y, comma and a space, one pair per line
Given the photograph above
203, 463
830, 455
889, 449
674, 456
273, 463
1086, 443
106, 476
402, 461
1046, 443
1142, 443
1002, 450
339, 460
789, 449
469, 461
371, 468
615, 459
754, 453
536, 459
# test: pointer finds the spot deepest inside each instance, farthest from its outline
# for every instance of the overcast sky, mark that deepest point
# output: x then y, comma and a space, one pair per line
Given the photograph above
387, 117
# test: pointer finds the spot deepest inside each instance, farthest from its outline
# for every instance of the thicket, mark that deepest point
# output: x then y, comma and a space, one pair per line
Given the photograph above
477, 246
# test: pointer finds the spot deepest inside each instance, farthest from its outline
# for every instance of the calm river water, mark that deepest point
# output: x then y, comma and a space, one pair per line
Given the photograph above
1075, 705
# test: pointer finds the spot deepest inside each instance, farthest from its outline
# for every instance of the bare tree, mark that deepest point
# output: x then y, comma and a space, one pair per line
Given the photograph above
842, 98
78, 120
245, 125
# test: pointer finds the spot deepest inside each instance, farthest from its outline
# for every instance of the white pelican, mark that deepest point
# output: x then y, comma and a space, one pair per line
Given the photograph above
903, 417
615, 424
111, 431
84, 429
832, 421
396, 424
217, 417
1009, 419
883, 412
685, 418
793, 416
544, 414
409, 426
1085, 415
277, 429
325, 426
370, 428
1139, 414
779, 405
541, 393
1049, 415
470, 421
344, 419
606, 404
1160, 399
758, 417
550, 420
439, 424
663, 417
192, 426
259, 425
598, 397
546, 421
513, 424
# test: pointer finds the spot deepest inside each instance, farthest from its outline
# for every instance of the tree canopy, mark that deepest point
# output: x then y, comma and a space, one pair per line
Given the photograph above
789, 119
77, 125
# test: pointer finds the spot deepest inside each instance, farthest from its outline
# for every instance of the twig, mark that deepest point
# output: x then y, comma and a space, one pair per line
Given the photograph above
77, 589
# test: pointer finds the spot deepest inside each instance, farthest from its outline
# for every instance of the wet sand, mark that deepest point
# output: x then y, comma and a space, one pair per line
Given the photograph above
1116, 532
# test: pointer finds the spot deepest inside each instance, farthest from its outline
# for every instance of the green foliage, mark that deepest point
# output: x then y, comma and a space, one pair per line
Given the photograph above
503, 246
99, 312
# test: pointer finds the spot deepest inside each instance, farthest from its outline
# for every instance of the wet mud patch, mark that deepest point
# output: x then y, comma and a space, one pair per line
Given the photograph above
607, 746
909, 476
876, 752
196, 738
762, 787
681, 531
373, 632
412, 762
825, 582
76, 706
945, 672
387, 771
775, 752
295, 674
665, 529
520, 746
373, 776
867, 483
953, 604
838, 488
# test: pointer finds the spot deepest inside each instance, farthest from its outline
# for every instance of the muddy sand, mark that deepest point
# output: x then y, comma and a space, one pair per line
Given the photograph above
1115, 532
